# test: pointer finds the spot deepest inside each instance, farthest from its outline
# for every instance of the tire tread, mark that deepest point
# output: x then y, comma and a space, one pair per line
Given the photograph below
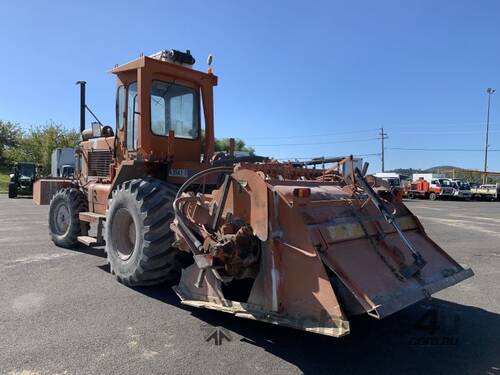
157, 261
77, 203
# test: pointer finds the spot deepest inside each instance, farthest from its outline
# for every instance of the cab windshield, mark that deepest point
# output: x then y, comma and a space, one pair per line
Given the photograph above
393, 181
26, 170
174, 107
444, 182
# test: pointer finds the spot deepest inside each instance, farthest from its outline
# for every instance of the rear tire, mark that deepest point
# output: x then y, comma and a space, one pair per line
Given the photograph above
12, 190
64, 220
138, 236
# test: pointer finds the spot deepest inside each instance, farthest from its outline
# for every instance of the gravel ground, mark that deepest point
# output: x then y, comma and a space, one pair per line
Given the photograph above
61, 312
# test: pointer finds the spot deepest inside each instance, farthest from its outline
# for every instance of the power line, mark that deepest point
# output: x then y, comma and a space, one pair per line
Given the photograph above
393, 130
423, 124
316, 157
440, 149
363, 155
314, 143
316, 135
445, 132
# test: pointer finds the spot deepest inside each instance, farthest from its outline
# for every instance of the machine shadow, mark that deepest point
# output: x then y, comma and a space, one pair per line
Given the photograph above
435, 336
163, 293
95, 251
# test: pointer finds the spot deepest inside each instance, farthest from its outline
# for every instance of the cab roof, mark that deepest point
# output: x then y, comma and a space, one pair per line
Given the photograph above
156, 66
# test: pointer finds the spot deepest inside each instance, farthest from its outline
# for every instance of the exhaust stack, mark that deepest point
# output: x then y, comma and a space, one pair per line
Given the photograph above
82, 105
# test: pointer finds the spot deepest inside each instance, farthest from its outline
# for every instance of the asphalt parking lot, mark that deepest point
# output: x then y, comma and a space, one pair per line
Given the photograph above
62, 312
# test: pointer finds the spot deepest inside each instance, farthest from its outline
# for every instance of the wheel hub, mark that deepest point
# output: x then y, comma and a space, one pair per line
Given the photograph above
123, 233
62, 219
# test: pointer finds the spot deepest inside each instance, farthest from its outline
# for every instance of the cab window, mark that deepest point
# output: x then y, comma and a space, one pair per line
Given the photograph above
174, 107
120, 106
132, 117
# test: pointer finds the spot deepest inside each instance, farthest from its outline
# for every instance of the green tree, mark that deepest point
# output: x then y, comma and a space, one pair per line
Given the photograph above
239, 145
222, 144
10, 136
37, 144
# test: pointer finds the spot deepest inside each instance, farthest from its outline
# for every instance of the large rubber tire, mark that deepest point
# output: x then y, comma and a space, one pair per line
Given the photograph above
12, 190
432, 196
138, 236
64, 221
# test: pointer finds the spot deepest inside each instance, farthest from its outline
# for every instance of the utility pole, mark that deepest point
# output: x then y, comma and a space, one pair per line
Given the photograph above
489, 91
382, 137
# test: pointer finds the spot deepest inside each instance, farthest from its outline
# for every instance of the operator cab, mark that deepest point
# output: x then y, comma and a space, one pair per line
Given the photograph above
161, 96
25, 170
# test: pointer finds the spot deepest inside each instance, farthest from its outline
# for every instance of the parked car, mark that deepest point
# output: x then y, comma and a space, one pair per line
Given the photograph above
461, 189
22, 178
486, 192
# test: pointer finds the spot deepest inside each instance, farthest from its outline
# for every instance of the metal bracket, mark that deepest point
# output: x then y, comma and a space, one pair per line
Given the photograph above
418, 261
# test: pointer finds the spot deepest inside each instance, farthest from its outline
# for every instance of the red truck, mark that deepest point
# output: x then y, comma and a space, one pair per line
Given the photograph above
424, 189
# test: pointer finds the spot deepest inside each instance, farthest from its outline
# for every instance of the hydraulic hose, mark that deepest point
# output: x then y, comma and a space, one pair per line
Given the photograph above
195, 244
198, 175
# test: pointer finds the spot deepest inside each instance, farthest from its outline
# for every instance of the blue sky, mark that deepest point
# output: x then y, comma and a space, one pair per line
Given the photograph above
296, 79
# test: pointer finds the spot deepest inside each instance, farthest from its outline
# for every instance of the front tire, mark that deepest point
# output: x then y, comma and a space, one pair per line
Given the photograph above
138, 236
12, 190
64, 219
432, 196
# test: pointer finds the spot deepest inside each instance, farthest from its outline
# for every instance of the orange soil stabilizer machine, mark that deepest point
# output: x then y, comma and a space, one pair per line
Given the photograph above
305, 253
284, 243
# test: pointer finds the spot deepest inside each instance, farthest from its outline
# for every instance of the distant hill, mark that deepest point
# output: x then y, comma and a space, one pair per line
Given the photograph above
438, 169
441, 168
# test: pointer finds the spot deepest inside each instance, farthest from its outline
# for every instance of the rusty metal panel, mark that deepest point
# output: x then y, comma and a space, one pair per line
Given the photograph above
97, 195
361, 248
368, 256
44, 189
254, 185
